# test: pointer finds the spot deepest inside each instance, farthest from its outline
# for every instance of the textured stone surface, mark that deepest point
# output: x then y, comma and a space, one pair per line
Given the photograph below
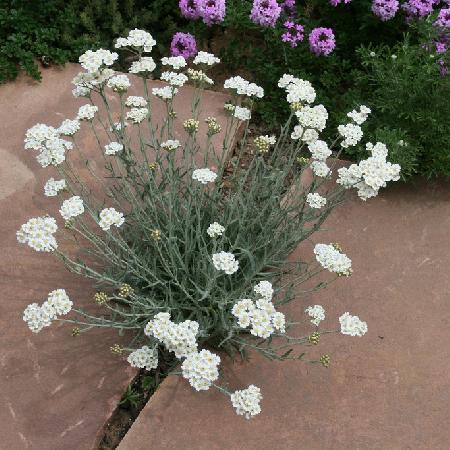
55, 391
386, 390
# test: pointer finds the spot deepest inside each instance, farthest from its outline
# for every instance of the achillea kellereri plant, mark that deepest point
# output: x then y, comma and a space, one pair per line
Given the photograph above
189, 247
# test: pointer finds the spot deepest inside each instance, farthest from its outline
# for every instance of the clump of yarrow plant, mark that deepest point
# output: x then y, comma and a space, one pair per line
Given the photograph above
189, 246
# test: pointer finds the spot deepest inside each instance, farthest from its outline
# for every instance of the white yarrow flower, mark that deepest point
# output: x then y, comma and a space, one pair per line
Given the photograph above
247, 401
201, 369
170, 145
52, 187
119, 83
264, 289
351, 133
176, 62
112, 148
69, 127
72, 207
87, 112
204, 176
215, 230
144, 66
206, 58
135, 101
317, 314
352, 325
332, 259
316, 201
178, 338
38, 234
137, 115
110, 217
139, 39
144, 358
225, 262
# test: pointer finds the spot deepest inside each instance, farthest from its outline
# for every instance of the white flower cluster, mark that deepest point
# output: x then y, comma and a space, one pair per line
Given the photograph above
112, 148
332, 259
314, 117
85, 82
320, 169
46, 140
165, 93
317, 313
247, 401
319, 153
244, 87
119, 83
352, 325
225, 262
309, 135
170, 145
315, 200
204, 176
52, 187
174, 78
144, 65
110, 217
351, 133
371, 174
137, 115
201, 369
319, 150
72, 207
139, 39
359, 117
39, 316
297, 90
264, 289
261, 316
69, 127
241, 113
144, 358
135, 101
206, 58
38, 234
176, 62
215, 230
93, 61
87, 112
178, 338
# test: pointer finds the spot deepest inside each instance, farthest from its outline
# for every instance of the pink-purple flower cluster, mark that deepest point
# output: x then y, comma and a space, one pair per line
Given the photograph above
210, 11
183, 44
322, 41
443, 18
288, 7
190, 9
418, 8
385, 9
294, 33
265, 12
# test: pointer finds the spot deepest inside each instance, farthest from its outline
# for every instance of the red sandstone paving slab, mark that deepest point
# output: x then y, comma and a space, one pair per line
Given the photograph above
56, 392
387, 390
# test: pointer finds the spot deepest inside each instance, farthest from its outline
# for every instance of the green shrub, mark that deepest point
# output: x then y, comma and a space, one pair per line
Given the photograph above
411, 105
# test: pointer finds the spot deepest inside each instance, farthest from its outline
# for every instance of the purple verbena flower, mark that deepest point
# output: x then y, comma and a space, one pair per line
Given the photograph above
294, 33
190, 9
322, 41
418, 8
443, 18
265, 12
212, 11
444, 68
288, 6
385, 9
183, 44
